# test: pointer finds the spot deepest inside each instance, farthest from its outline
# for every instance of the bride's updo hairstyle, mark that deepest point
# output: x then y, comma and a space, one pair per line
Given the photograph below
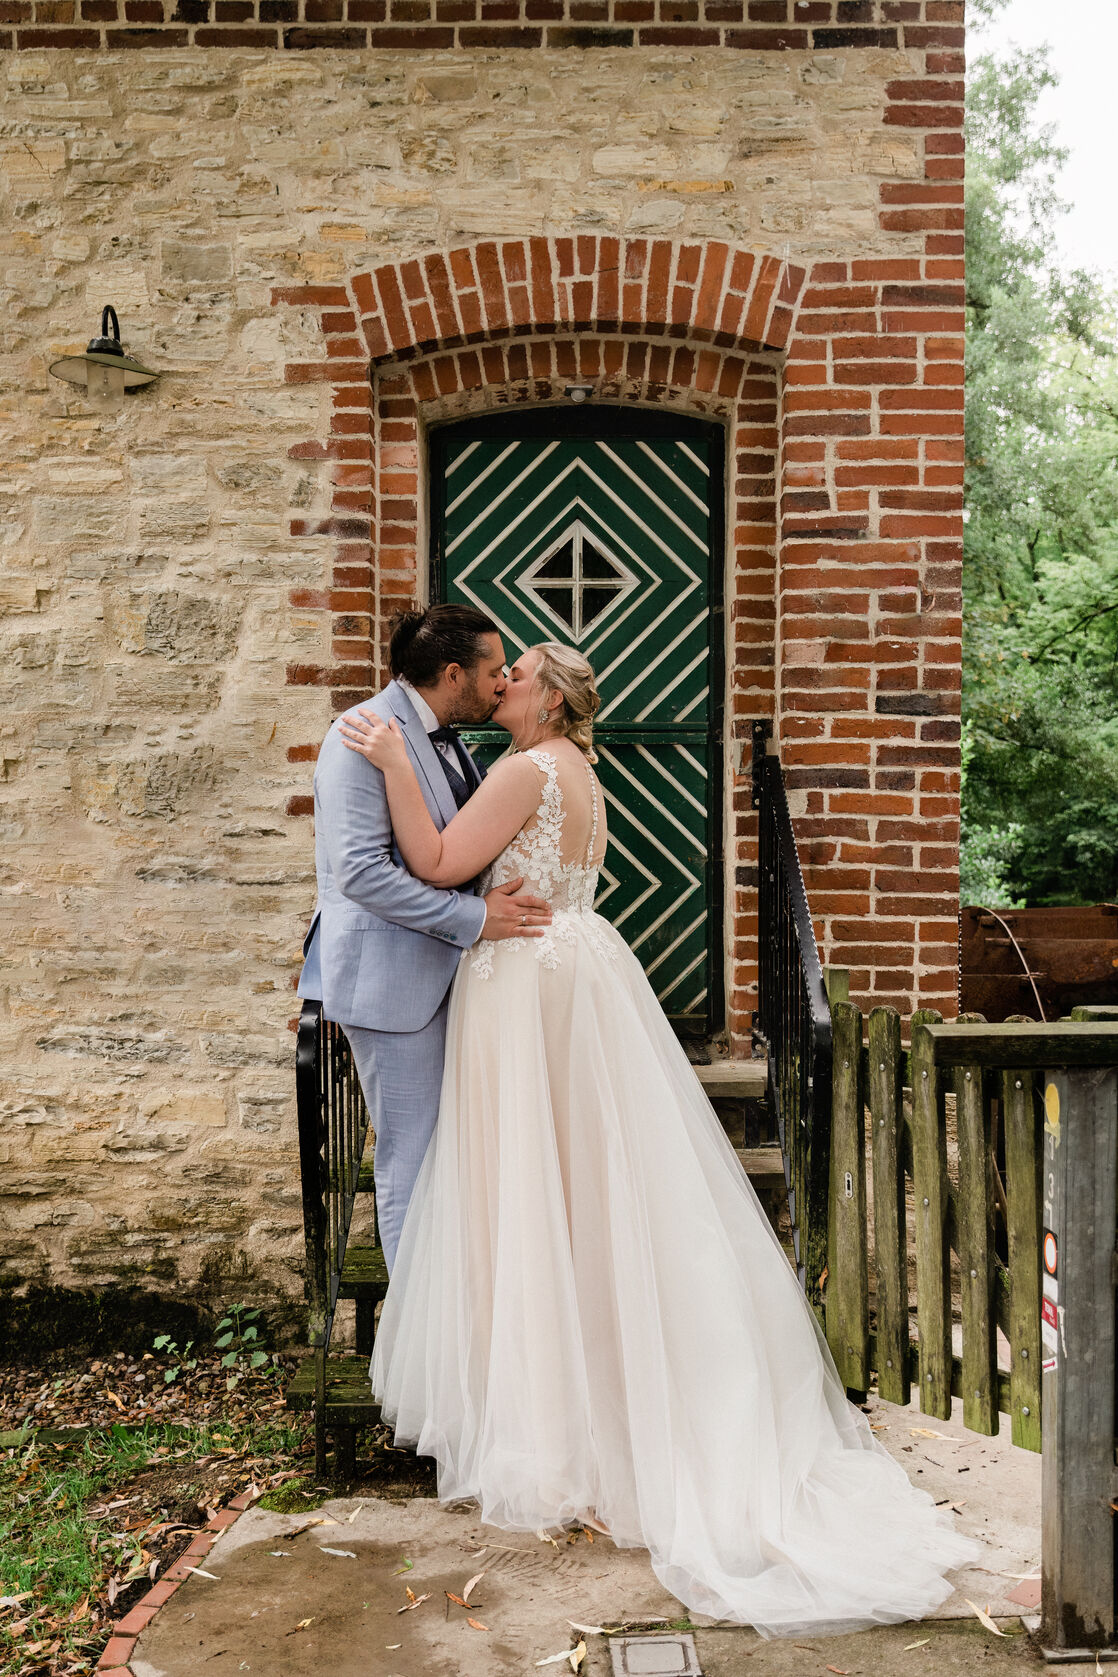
563, 670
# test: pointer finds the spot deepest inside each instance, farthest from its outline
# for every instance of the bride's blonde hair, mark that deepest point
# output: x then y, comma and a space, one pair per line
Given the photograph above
564, 671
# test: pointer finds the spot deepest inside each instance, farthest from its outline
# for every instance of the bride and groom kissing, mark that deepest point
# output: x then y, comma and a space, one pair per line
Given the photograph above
589, 1319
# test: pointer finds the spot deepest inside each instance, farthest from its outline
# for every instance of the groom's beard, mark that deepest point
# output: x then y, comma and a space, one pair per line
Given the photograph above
469, 709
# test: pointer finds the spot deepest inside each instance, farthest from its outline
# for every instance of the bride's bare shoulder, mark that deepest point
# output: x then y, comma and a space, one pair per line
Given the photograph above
519, 767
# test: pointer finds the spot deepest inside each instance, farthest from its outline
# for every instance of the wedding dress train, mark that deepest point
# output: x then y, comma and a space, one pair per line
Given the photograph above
589, 1310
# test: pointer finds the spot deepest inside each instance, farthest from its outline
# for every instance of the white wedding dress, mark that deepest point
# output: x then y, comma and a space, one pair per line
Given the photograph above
589, 1310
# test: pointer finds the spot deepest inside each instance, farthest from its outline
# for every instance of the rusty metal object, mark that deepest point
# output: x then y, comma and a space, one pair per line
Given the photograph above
1063, 957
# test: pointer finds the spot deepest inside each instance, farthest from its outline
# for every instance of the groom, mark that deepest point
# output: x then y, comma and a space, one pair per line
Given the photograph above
383, 946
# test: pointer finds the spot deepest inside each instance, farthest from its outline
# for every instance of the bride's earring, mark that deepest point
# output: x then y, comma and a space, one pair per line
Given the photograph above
542, 715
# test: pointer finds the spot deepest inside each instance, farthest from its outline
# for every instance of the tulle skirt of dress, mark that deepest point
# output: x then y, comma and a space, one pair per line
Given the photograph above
589, 1311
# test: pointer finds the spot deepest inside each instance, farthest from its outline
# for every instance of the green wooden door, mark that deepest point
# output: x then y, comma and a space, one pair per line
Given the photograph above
603, 529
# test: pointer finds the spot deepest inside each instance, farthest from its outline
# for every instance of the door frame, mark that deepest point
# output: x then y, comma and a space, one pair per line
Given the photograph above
620, 421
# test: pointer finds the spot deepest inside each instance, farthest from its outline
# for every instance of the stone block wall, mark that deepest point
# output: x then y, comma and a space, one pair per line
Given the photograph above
749, 210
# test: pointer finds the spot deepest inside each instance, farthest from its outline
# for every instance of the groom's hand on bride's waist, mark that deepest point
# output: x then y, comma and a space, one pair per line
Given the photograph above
511, 912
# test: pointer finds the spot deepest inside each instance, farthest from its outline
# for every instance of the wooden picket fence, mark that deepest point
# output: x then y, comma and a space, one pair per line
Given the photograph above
940, 1200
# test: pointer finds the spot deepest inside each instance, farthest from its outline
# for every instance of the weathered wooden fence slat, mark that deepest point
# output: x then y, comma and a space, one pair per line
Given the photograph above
1080, 1186
889, 1216
847, 1298
1021, 1122
975, 1247
929, 1175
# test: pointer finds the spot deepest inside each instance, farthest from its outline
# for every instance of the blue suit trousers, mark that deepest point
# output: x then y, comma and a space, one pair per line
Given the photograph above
401, 1075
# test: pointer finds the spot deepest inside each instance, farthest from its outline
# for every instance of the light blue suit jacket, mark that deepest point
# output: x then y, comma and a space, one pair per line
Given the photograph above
383, 946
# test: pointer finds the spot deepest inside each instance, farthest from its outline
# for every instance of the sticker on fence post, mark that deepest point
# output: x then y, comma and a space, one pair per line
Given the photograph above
1052, 1112
1051, 1254
1050, 1296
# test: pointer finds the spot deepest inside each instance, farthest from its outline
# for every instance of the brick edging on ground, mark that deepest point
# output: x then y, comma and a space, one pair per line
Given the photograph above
122, 1637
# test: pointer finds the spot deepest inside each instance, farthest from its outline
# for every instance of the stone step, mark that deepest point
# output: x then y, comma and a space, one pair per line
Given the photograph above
349, 1399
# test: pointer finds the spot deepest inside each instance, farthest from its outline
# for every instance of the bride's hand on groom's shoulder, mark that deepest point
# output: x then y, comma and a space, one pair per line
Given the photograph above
382, 746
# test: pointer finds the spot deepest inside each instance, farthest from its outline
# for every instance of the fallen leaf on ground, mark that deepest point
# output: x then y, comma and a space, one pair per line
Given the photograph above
838, 1670
983, 1616
456, 1599
10, 1600
556, 1659
546, 1537
407, 1566
926, 1432
349, 1554
390, 1647
280, 1552
577, 1655
351, 1517
476, 1624
923, 1643
416, 1601
202, 1573
302, 1625
476, 1579
589, 1630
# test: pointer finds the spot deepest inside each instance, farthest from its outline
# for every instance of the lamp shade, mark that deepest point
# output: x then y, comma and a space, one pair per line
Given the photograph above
104, 351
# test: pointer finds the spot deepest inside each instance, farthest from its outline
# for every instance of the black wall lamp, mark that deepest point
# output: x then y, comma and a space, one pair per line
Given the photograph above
104, 370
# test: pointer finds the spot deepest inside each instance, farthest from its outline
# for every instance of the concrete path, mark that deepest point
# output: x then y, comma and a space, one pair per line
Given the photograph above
280, 1604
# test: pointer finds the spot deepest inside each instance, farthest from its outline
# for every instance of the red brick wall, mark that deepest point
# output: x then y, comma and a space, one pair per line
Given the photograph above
843, 387
419, 25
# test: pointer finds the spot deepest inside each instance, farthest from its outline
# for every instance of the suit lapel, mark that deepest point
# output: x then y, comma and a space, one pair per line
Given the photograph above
432, 781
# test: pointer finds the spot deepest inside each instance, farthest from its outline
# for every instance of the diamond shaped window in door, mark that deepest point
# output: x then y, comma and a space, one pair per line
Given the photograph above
577, 579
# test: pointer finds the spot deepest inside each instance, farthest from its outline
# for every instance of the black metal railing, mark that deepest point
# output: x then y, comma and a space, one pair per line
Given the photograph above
793, 1019
333, 1124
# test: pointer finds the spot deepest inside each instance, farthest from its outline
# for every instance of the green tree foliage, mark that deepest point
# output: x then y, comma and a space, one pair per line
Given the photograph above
1040, 677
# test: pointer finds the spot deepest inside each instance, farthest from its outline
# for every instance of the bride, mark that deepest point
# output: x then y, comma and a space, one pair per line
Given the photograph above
590, 1318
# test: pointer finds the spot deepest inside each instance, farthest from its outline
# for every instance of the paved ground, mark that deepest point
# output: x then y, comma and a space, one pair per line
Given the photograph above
275, 1571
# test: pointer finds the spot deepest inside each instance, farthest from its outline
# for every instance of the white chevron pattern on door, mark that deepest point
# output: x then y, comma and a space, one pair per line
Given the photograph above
602, 538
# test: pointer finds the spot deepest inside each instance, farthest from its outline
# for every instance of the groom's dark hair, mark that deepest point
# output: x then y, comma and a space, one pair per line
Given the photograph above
423, 643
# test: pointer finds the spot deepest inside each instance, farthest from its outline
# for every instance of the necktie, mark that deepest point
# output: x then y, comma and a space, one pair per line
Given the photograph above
460, 781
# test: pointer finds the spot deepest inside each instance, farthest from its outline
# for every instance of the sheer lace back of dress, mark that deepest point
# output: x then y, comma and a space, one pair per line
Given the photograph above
557, 853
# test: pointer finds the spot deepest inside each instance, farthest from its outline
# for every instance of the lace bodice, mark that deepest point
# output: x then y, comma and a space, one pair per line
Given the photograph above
541, 855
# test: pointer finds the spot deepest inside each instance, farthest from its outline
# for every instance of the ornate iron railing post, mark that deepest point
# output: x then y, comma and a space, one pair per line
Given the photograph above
333, 1122
793, 1018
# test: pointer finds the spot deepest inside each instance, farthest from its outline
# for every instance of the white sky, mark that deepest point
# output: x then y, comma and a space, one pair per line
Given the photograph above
1083, 36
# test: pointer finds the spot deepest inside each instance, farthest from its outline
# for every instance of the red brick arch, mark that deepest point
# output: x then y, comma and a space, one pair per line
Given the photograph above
845, 619
647, 320
708, 293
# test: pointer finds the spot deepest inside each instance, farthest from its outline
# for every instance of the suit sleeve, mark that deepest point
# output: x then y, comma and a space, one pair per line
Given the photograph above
352, 811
